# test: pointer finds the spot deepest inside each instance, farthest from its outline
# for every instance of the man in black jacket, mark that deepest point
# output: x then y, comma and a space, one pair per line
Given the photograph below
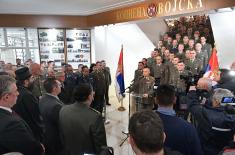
27, 104
63, 96
82, 127
50, 106
15, 134
85, 77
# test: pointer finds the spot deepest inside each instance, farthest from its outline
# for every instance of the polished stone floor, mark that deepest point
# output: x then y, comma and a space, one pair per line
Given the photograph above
118, 123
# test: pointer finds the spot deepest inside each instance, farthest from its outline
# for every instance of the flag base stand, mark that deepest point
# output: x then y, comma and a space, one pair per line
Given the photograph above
121, 108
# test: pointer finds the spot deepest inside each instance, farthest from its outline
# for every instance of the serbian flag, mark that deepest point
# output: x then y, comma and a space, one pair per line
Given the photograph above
120, 86
212, 68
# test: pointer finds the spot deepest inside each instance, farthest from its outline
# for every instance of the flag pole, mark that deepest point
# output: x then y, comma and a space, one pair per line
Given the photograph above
121, 108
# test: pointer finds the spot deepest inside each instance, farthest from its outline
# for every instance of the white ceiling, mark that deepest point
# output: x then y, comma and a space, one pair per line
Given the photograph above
61, 7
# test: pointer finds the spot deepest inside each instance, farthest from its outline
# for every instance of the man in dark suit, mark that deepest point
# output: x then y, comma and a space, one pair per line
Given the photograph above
50, 106
82, 127
85, 77
63, 96
15, 135
27, 104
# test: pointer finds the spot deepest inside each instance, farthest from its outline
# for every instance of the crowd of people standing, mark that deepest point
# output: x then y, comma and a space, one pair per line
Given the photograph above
51, 106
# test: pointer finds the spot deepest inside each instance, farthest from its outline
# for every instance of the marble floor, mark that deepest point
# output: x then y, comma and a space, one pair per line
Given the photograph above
118, 123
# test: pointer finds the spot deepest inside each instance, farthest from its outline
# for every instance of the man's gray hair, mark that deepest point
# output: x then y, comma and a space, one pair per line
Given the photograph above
5, 82
219, 93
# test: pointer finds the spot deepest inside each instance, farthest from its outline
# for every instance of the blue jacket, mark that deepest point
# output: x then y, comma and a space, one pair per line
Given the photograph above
180, 135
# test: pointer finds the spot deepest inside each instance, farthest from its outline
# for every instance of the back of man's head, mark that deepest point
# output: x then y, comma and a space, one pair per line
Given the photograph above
49, 84
146, 132
82, 92
204, 83
166, 95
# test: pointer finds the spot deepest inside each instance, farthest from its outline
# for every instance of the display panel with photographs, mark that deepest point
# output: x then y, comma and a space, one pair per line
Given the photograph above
51, 45
2, 39
16, 37
78, 47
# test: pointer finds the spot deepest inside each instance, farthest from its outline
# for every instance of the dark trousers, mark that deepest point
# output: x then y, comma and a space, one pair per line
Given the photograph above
98, 103
107, 95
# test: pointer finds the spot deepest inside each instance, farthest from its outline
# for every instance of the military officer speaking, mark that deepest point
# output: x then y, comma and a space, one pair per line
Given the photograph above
145, 89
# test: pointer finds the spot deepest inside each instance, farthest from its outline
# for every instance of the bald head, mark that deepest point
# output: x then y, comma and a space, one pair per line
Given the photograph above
35, 69
204, 83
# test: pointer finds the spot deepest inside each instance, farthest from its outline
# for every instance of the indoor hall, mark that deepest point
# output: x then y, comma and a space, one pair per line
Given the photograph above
102, 29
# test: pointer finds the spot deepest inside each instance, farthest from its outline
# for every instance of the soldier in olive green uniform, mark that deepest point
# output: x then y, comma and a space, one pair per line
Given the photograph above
145, 90
201, 55
38, 79
172, 70
206, 47
99, 88
108, 80
138, 75
193, 65
159, 70
178, 82
180, 85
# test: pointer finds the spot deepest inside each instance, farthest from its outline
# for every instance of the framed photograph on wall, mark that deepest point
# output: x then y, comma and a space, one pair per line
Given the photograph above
78, 47
51, 45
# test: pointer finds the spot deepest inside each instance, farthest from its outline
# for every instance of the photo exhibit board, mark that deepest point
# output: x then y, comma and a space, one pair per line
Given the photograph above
78, 47
51, 45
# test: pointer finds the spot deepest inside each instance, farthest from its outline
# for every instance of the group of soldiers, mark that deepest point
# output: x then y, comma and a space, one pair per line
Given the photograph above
177, 61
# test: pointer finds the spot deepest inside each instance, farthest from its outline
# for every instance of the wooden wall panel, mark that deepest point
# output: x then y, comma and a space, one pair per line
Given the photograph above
129, 13
43, 21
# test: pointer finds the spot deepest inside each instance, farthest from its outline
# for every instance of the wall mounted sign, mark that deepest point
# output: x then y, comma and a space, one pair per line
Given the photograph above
159, 8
